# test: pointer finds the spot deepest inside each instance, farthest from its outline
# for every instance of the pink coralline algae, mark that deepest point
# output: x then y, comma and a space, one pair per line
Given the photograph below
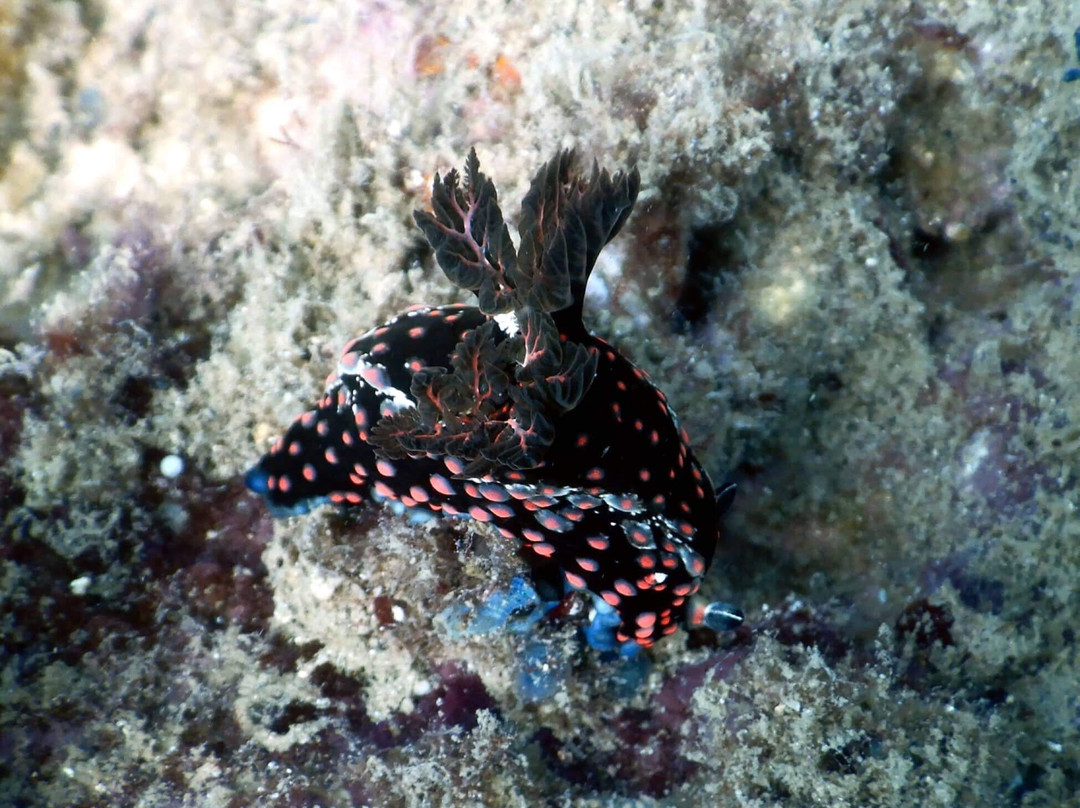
511, 413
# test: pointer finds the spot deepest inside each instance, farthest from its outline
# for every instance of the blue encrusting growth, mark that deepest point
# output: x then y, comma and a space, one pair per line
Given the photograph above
1073, 73
516, 609
511, 413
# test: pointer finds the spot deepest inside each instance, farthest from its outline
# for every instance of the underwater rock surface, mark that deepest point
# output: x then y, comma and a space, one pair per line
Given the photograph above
852, 270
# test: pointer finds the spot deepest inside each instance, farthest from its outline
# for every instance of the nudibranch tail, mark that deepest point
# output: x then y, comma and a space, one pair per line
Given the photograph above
511, 413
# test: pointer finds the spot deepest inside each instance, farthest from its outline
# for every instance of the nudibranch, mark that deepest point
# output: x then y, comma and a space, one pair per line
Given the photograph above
511, 413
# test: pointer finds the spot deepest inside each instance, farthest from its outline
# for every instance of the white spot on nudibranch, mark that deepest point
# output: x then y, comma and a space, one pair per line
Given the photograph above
507, 322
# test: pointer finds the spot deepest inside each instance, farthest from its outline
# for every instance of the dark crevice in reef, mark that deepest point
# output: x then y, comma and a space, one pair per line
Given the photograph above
710, 249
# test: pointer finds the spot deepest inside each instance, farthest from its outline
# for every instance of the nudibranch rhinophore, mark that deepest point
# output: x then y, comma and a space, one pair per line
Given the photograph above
511, 413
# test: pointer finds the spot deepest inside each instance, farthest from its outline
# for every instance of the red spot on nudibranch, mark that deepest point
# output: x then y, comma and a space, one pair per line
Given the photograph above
494, 493
442, 485
374, 376
697, 565
501, 511
480, 514
553, 521
573, 580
